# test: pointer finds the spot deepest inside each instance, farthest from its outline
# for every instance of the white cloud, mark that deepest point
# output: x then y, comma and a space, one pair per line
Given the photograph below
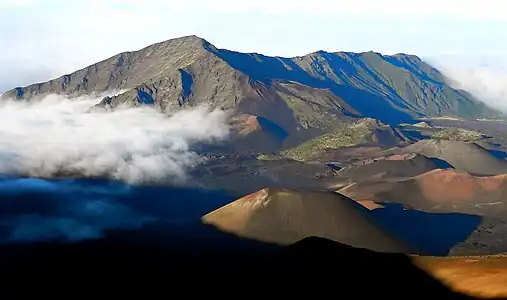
57, 135
485, 78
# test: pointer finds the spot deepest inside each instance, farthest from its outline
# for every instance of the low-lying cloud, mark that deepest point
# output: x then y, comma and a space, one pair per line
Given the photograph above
59, 137
485, 78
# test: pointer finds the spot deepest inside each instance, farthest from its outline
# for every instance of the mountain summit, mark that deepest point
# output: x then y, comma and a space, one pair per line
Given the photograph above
312, 91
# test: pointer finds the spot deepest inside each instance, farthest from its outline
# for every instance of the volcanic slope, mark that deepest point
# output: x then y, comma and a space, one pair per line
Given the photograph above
438, 190
254, 133
284, 217
479, 276
468, 157
394, 166
364, 131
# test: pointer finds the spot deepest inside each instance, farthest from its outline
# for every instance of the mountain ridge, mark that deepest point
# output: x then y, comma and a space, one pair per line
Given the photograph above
307, 91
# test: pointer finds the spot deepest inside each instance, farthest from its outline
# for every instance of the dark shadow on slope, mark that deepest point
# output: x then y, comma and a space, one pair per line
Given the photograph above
271, 106
415, 135
22, 195
440, 163
186, 255
358, 273
314, 265
423, 76
192, 241
272, 128
266, 69
176, 204
19, 93
186, 82
144, 98
498, 154
431, 233
386, 138
182, 257
266, 139
371, 105
37, 209
381, 85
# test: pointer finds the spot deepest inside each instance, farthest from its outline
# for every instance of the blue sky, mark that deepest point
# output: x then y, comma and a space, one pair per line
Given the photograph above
43, 39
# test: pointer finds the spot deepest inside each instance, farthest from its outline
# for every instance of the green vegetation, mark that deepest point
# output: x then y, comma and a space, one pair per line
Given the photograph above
343, 137
307, 114
458, 134
268, 157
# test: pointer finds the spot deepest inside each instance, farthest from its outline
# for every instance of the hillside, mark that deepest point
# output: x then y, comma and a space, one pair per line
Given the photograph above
445, 190
284, 217
365, 131
299, 93
468, 157
458, 134
480, 276
395, 166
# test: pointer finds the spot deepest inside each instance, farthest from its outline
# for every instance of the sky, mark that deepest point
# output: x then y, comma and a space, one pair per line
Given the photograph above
41, 39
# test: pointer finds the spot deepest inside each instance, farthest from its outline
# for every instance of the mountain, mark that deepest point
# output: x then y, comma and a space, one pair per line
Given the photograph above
189, 71
283, 217
308, 92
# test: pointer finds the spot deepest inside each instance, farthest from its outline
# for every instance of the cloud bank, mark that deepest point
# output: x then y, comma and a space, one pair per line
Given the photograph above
58, 137
484, 77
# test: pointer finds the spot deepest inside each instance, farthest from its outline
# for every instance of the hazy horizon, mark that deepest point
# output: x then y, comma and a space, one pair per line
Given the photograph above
42, 39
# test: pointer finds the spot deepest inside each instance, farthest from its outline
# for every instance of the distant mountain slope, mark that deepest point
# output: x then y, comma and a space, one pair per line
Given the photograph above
294, 93
389, 88
396, 166
468, 157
